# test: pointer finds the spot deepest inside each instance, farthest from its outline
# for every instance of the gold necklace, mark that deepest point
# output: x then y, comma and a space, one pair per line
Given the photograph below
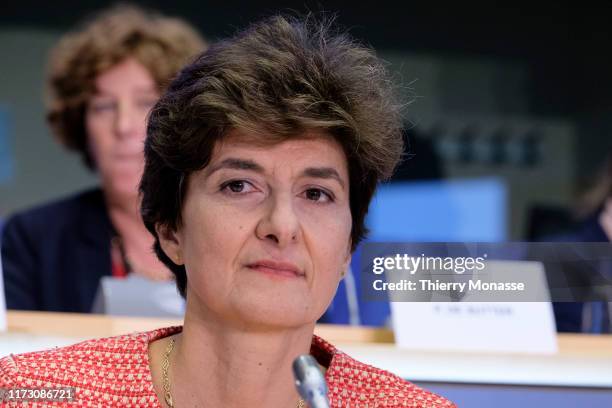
166, 378
165, 366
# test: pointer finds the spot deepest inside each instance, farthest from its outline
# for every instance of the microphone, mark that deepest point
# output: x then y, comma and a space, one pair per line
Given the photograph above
310, 382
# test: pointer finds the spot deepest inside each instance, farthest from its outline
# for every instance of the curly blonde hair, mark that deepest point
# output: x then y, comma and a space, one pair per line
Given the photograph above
161, 44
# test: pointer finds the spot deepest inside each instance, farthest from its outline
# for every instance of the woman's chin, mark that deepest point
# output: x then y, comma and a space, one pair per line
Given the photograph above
279, 313
123, 188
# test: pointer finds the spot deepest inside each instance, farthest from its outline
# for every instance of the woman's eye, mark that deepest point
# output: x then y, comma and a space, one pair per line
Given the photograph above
318, 195
102, 106
237, 186
147, 104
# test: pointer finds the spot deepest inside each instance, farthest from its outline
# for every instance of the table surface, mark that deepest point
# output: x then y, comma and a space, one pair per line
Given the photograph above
582, 360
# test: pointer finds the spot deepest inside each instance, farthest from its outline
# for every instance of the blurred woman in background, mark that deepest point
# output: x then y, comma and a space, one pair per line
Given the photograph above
103, 79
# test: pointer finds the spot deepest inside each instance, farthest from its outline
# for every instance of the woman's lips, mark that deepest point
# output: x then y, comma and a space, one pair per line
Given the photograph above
129, 156
284, 269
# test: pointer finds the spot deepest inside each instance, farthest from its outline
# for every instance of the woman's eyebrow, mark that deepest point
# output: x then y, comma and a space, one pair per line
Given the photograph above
237, 164
140, 90
246, 164
324, 173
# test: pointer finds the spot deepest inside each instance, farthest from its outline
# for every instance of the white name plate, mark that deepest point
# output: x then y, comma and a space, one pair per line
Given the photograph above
512, 327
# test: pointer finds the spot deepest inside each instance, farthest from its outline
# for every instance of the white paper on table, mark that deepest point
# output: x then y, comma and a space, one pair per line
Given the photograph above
522, 327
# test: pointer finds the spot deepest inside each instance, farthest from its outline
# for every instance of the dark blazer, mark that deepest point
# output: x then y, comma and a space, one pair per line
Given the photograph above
53, 256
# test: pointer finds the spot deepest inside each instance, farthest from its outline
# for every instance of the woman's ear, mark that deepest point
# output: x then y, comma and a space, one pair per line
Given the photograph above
170, 243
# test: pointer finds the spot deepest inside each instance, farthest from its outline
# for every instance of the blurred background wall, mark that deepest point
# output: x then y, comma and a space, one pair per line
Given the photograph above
515, 91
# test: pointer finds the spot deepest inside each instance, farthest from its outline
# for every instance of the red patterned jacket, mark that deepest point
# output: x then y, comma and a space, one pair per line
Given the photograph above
114, 372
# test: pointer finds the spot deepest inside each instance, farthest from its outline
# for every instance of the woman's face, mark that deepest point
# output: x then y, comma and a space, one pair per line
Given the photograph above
266, 230
115, 124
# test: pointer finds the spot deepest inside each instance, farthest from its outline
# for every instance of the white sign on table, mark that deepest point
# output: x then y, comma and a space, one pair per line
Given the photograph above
514, 327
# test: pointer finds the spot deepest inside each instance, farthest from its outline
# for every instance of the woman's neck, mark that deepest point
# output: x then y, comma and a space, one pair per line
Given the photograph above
137, 241
217, 365
123, 206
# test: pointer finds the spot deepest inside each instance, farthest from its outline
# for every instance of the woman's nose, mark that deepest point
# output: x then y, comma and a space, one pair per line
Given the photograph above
280, 222
126, 121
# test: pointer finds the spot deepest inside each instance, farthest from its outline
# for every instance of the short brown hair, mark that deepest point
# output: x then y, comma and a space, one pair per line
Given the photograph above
277, 79
161, 44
